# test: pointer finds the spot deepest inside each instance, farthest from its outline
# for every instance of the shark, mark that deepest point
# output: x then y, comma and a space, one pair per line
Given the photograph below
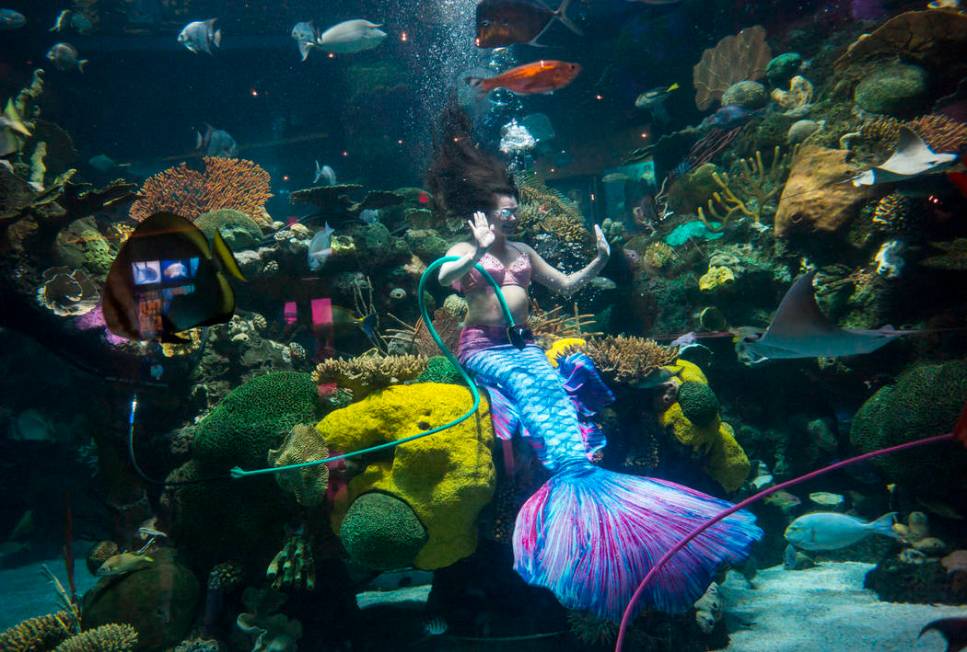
800, 330
911, 159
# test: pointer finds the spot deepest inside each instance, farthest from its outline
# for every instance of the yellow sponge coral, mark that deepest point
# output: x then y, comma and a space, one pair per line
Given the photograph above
726, 461
446, 478
563, 346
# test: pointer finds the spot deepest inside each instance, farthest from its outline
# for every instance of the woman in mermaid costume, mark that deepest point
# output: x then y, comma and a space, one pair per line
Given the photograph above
588, 534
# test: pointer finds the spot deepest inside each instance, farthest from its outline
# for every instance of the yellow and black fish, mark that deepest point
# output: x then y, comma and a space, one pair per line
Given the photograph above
166, 279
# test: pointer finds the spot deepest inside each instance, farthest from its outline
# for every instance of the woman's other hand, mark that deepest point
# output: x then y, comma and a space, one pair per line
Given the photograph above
604, 249
483, 231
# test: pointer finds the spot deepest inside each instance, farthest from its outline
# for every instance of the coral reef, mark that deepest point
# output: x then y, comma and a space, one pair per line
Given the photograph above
445, 478
714, 439
897, 90
440, 370
308, 485
294, 567
941, 133
382, 532
37, 634
68, 293
254, 418
238, 229
750, 192
734, 59
236, 184
797, 99
953, 255
748, 94
367, 373
270, 631
927, 37
629, 360
105, 638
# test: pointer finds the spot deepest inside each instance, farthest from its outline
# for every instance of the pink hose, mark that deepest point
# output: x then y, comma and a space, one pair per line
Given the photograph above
629, 610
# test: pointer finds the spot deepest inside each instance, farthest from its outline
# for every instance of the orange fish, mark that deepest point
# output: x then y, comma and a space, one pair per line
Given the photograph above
531, 78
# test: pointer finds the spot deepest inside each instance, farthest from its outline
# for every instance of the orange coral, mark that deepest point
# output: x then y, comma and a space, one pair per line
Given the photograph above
226, 183
734, 59
940, 132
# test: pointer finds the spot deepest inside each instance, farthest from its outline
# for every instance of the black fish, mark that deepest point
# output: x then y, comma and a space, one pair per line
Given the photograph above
505, 22
954, 631
167, 279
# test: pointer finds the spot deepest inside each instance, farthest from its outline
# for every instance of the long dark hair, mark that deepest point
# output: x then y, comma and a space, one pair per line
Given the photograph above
463, 178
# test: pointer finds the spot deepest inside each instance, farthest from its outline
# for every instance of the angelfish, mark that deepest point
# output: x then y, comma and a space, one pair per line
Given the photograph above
200, 35
800, 330
324, 173
166, 279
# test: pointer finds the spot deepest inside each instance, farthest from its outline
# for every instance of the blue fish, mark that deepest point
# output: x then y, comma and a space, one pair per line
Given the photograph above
832, 531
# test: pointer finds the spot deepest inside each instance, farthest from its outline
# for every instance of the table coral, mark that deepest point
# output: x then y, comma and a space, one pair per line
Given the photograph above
726, 462
367, 373
226, 183
735, 58
445, 478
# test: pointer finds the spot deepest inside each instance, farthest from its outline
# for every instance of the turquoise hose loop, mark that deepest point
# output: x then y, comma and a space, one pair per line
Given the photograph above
238, 472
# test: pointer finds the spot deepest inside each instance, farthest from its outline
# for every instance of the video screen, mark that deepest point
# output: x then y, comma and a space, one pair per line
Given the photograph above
173, 271
146, 272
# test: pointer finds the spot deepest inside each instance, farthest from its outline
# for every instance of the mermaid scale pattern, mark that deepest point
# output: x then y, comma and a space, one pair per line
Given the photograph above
590, 535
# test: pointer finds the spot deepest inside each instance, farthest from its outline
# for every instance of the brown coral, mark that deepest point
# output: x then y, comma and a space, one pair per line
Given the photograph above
930, 37
308, 485
940, 132
734, 59
629, 360
366, 373
106, 638
37, 634
226, 183
100, 553
68, 292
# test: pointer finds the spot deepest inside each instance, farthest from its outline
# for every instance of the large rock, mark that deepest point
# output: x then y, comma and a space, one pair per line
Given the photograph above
818, 196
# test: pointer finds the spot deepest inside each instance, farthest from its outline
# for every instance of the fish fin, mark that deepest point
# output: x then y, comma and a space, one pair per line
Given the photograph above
226, 258
304, 47
198, 139
81, 64
561, 15
218, 38
884, 525
798, 315
477, 84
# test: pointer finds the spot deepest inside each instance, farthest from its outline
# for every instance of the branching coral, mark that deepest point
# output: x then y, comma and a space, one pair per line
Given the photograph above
37, 634
106, 638
941, 133
226, 183
750, 192
629, 360
734, 59
367, 373
303, 444
544, 210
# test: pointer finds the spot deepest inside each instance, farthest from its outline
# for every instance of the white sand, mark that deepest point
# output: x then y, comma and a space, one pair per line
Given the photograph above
824, 609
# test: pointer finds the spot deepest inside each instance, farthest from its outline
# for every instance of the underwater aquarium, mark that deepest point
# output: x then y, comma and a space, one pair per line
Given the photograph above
458, 325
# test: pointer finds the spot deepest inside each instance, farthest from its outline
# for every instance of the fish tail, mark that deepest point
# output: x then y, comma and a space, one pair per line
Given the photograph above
217, 38
561, 15
884, 525
82, 64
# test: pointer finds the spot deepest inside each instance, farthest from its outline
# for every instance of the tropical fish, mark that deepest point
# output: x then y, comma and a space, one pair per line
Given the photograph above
11, 124
435, 626
912, 158
344, 317
954, 631
320, 248
124, 563
166, 279
215, 142
75, 20
832, 531
305, 35
10, 19
325, 173
654, 101
200, 35
65, 57
531, 78
800, 330
351, 36
943, 4
505, 22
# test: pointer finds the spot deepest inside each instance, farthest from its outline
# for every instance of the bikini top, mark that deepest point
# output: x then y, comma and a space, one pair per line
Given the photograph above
517, 273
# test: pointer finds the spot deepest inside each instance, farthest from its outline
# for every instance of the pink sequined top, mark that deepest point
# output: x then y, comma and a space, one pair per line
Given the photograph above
517, 273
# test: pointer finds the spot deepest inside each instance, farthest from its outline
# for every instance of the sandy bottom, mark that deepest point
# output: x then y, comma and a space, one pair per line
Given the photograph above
824, 609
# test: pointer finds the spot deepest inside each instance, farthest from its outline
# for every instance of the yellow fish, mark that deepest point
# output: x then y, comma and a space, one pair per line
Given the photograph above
124, 563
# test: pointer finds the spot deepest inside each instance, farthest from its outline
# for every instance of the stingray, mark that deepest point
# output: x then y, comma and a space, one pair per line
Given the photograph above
913, 158
800, 330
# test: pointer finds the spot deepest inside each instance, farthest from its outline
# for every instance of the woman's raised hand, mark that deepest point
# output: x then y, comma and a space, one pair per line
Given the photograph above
482, 230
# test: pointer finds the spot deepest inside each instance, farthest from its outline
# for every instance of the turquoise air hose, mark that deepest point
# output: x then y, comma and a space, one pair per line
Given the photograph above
241, 473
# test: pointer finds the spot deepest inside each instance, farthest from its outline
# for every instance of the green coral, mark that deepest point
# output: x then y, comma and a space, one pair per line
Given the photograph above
426, 243
382, 532
254, 418
925, 401
781, 69
239, 230
440, 370
699, 403
898, 90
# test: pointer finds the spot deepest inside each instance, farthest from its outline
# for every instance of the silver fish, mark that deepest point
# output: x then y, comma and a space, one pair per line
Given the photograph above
831, 530
65, 57
325, 173
216, 142
351, 36
305, 35
320, 248
10, 19
200, 35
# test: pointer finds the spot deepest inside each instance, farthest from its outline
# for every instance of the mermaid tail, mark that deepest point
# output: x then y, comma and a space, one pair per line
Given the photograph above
590, 535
